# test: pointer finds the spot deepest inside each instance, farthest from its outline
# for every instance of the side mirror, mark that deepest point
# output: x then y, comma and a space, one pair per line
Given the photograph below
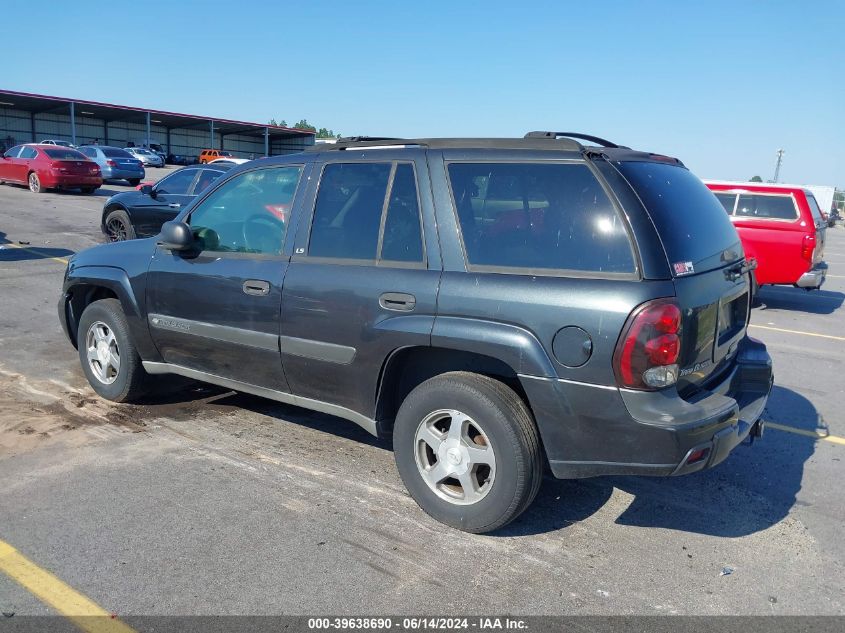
147, 190
175, 236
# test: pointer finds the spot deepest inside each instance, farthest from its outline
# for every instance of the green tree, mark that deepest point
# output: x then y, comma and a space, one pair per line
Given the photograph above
324, 133
282, 123
304, 125
756, 179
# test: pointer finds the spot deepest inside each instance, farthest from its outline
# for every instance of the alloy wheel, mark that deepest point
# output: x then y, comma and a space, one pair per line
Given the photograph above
116, 230
454, 457
102, 352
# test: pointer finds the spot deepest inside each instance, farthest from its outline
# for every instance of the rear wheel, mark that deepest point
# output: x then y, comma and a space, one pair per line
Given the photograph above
34, 183
133, 181
468, 451
88, 190
119, 226
107, 353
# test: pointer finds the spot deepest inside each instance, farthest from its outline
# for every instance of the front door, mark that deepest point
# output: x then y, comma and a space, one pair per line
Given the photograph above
361, 283
8, 162
215, 308
165, 202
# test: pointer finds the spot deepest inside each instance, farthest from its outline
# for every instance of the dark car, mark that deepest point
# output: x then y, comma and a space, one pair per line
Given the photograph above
493, 305
141, 213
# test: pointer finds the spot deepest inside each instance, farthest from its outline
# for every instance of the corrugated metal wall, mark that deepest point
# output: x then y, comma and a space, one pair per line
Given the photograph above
16, 127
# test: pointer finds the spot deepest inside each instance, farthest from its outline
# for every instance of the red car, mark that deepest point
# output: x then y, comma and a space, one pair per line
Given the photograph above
45, 167
781, 226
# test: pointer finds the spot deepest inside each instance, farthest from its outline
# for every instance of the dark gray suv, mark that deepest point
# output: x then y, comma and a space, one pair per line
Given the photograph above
494, 305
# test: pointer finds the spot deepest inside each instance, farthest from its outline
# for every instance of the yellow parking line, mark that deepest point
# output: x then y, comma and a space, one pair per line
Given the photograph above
61, 260
815, 434
778, 329
84, 613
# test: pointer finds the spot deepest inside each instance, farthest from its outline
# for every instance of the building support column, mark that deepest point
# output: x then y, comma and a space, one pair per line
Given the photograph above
32, 126
169, 151
105, 132
266, 141
148, 130
73, 122
211, 128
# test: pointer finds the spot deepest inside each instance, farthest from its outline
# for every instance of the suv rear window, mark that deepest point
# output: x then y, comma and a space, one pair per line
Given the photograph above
692, 224
776, 207
539, 216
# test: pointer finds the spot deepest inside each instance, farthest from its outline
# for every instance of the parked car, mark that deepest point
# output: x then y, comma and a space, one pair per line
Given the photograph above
493, 305
147, 157
834, 217
156, 148
782, 227
141, 213
115, 163
43, 167
55, 142
229, 161
208, 155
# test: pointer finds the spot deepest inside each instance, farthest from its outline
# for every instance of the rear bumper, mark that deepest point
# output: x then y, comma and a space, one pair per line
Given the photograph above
589, 430
122, 174
814, 278
72, 180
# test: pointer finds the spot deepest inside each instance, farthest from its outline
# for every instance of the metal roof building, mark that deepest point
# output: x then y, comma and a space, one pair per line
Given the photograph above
29, 118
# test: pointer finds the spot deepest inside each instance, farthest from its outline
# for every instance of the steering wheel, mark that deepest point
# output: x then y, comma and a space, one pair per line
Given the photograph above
263, 233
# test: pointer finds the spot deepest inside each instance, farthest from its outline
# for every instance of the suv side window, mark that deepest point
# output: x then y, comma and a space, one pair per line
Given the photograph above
770, 207
347, 214
247, 214
539, 216
177, 183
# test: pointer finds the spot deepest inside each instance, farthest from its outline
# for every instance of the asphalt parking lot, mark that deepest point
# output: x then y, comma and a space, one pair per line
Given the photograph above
203, 501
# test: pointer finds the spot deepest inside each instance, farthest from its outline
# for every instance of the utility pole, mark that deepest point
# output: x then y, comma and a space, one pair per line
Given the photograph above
780, 154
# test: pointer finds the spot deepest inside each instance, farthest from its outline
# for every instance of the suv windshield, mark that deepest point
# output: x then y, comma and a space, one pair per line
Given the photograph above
693, 225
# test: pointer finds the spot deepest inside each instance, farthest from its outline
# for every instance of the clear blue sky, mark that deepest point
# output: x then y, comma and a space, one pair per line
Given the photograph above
722, 85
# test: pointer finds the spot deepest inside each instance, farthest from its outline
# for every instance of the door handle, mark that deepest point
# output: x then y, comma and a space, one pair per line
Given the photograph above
256, 287
397, 301
174, 205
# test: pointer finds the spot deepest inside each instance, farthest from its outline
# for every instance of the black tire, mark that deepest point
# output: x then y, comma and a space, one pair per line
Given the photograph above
129, 382
88, 190
118, 226
34, 183
510, 431
133, 182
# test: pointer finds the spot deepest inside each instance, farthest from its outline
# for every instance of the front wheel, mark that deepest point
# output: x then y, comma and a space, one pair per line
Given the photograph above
34, 183
119, 226
107, 353
133, 182
468, 451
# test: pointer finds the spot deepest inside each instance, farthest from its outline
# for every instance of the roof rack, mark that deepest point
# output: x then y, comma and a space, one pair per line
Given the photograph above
578, 135
383, 142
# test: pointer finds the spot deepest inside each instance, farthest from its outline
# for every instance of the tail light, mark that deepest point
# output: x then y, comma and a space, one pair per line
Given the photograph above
808, 247
111, 163
647, 353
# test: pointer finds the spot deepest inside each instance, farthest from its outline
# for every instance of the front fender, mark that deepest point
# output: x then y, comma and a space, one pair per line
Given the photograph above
84, 284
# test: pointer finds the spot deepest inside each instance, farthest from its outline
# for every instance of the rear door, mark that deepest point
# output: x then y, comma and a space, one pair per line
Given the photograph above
215, 309
705, 257
24, 163
361, 282
165, 202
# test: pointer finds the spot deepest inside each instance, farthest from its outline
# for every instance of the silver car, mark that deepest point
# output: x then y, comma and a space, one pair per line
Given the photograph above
148, 157
115, 163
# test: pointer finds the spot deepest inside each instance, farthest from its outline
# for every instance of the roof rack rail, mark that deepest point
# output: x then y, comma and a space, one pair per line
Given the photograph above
583, 137
365, 139
361, 142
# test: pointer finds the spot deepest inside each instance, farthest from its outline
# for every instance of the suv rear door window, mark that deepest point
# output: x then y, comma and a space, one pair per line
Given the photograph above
347, 215
770, 207
539, 216
402, 241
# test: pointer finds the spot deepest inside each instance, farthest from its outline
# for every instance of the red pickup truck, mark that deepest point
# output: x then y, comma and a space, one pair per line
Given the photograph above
781, 226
